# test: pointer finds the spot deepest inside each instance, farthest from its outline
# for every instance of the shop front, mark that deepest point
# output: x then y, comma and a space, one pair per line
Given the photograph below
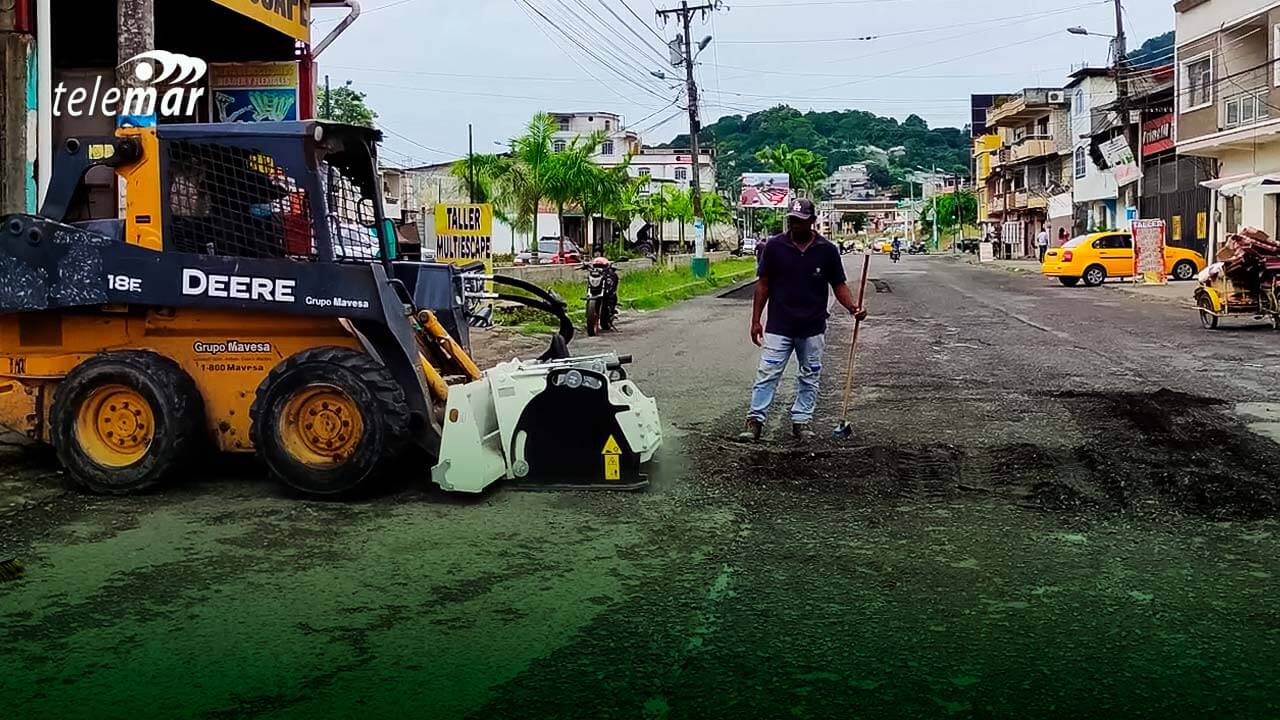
204, 61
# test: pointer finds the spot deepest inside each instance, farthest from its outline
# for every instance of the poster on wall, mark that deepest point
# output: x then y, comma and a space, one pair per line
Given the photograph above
1148, 252
253, 92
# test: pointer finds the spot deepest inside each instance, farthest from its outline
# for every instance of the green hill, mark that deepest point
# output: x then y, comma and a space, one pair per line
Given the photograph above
838, 136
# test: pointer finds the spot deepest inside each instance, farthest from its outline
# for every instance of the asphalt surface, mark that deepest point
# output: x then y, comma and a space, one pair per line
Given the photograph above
1058, 502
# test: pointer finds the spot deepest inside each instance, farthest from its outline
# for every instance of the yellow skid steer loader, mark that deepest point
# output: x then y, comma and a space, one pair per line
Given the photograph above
250, 298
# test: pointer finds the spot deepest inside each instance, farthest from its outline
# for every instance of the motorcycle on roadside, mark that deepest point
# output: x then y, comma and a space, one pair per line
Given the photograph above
602, 295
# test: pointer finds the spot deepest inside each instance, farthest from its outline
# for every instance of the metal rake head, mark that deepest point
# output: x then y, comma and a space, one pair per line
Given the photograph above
843, 431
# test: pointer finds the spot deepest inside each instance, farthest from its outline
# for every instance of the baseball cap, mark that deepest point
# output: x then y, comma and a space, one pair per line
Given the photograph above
802, 209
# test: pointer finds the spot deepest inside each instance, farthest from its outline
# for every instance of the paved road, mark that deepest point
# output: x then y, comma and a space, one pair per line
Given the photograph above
1059, 502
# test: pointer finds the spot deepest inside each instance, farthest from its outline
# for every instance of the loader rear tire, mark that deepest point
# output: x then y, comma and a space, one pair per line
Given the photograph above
327, 419
122, 422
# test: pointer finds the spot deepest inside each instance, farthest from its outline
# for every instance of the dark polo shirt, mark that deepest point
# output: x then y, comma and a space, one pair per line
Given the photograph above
798, 284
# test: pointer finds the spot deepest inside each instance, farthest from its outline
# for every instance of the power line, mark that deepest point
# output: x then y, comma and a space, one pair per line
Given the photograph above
504, 96
642, 22
627, 25
618, 53
577, 43
411, 141
585, 31
602, 25
562, 49
901, 33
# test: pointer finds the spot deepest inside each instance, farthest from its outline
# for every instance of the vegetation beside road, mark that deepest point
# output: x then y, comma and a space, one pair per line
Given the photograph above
649, 289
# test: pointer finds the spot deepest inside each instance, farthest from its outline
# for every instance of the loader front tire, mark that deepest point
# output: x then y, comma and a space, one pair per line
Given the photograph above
326, 419
122, 422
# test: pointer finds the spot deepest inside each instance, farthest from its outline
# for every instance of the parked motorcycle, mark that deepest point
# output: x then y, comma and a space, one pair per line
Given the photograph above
602, 295
917, 248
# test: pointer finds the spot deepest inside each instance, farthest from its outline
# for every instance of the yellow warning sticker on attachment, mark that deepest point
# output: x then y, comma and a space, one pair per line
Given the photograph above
612, 467
611, 447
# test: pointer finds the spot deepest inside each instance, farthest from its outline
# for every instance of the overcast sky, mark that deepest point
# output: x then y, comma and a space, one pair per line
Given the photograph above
430, 67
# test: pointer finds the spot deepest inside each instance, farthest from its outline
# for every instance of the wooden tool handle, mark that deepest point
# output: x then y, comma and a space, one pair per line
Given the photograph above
857, 325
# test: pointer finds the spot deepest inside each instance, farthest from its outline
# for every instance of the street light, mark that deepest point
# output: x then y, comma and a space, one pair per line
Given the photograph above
1077, 30
703, 43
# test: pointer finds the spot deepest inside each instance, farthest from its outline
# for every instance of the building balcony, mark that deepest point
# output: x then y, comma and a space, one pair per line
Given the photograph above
1031, 104
995, 205
1037, 202
1019, 200
1033, 146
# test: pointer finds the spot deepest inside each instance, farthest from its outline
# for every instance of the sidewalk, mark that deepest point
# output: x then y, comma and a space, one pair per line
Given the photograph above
1179, 293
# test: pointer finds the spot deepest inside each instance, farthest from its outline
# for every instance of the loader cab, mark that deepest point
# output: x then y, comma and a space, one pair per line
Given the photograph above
296, 190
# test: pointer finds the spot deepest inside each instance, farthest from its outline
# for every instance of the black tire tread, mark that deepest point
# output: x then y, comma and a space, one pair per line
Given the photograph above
184, 404
387, 393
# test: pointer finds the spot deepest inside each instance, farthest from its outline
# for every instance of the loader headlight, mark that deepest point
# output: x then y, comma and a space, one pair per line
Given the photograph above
573, 379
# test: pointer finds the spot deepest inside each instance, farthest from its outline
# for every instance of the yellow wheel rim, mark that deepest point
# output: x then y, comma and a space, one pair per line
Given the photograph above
115, 426
321, 426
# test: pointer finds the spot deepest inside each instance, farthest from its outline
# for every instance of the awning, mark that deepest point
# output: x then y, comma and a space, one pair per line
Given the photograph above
1237, 185
291, 17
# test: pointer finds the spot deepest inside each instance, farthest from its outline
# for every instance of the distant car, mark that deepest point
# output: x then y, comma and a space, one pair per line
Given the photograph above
1098, 256
748, 246
549, 254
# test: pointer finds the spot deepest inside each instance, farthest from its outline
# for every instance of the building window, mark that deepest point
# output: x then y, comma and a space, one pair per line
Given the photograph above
608, 125
1077, 101
606, 147
643, 172
557, 146
564, 123
682, 173
1275, 53
1197, 83
1079, 163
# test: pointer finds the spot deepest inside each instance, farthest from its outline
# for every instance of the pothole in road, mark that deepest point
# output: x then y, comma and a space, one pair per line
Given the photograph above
1137, 452
881, 286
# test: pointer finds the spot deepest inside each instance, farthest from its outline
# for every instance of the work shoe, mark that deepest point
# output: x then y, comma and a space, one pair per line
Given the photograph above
802, 432
752, 432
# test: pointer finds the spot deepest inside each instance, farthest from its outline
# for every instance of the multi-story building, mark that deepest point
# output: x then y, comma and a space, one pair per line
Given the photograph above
618, 141
986, 149
675, 165
1036, 131
851, 182
1172, 187
1093, 188
1228, 106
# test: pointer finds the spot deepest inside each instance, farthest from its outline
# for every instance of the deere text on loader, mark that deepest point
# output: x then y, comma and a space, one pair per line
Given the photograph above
250, 299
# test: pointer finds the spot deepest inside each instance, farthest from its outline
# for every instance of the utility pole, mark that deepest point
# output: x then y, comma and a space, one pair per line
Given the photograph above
16, 176
1132, 139
471, 166
328, 99
955, 209
136, 28
685, 13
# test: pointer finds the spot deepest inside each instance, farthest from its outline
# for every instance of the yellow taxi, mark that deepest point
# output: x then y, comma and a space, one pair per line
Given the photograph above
1098, 256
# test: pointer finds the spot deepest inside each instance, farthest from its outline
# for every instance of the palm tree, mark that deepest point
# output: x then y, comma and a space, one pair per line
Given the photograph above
679, 208
600, 188
566, 173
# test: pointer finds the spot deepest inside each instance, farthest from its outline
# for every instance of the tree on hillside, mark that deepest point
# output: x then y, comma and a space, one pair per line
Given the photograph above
348, 106
806, 169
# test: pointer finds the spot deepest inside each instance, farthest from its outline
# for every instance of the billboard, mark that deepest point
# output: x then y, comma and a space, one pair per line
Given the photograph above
771, 190
254, 92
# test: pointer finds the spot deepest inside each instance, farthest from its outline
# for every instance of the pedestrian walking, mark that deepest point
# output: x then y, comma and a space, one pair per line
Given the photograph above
796, 269
1042, 242
1063, 236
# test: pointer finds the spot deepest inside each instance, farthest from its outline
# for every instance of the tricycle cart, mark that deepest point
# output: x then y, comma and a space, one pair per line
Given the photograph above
1219, 298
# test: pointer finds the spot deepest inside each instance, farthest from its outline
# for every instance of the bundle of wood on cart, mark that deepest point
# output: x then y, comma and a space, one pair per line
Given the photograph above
1251, 261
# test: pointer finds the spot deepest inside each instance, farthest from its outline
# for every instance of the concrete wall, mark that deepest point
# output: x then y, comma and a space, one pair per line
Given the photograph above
544, 274
1206, 17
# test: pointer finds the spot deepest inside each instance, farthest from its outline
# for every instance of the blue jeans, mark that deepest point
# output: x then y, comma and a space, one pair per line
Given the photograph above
773, 361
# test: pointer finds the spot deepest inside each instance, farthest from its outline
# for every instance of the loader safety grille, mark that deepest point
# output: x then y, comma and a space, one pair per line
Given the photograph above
234, 201
352, 221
